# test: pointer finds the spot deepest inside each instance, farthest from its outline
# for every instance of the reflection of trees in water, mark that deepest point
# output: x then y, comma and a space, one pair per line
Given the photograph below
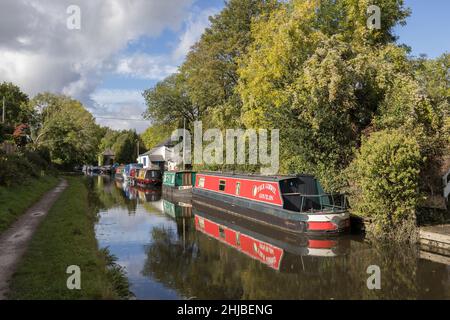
198, 266
184, 267
207, 269
432, 282
106, 195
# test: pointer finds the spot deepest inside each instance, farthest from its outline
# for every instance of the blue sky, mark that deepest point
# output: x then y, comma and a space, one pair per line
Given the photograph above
163, 45
428, 28
125, 47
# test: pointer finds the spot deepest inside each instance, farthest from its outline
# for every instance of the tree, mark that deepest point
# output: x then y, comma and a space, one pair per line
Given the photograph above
211, 67
419, 104
65, 128
123, 144
169, 102
321, 78
16, 102
21, 135
156, 134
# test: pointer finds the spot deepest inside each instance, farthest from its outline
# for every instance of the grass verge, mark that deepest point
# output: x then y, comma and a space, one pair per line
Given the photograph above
14, 201
66, 237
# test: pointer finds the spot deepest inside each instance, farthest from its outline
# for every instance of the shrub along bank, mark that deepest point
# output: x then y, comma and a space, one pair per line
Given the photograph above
385, 175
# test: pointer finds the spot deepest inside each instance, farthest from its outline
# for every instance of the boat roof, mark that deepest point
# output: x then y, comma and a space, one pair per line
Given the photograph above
250, 176
181, 171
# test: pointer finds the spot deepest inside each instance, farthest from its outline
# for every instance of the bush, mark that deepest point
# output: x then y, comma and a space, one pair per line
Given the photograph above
5, 132
384, 179
18, 168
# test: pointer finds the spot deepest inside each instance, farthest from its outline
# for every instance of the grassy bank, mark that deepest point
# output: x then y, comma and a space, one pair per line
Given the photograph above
66, 237
16, 200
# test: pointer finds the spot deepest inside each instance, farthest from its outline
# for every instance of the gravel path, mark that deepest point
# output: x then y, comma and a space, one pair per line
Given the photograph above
14, 241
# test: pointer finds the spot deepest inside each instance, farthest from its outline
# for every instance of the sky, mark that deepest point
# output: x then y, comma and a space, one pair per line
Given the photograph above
126, 46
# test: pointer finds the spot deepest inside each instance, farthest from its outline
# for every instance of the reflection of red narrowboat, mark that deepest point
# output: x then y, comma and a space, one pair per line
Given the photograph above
259, 250
272, 247
293, 203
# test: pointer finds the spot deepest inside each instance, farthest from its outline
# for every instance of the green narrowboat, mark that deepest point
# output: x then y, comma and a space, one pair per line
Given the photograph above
178, 183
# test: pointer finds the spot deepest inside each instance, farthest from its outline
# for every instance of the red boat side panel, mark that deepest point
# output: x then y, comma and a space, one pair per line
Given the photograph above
262, 251
321, 244
262, 191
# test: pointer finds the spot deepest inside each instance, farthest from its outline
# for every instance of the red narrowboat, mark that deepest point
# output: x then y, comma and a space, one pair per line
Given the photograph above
296, 204
149, 178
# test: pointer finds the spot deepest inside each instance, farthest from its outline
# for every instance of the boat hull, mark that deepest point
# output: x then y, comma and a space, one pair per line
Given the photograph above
298, 223
177, 192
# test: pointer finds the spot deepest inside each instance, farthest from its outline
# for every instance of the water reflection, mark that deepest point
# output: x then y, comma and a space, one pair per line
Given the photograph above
175, 250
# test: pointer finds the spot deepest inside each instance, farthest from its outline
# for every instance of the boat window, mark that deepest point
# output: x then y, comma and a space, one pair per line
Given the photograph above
187, 179
201, 182
201, 222
304, 185
222, 185
238, 188
153, 174
221, 232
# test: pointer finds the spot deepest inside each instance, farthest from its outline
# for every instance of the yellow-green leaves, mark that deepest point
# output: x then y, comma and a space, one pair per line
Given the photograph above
385, 180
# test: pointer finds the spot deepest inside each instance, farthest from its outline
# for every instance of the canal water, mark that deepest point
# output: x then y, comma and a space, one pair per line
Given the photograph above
173, 250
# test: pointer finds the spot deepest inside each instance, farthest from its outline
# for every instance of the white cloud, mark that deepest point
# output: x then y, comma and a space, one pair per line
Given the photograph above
119, 109
158, 67
39, 53
195, 26
110, 96
145, 66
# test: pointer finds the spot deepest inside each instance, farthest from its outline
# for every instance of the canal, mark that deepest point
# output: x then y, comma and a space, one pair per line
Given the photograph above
173, 250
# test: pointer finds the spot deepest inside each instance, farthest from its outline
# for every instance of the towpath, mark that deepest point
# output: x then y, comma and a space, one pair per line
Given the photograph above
14, 241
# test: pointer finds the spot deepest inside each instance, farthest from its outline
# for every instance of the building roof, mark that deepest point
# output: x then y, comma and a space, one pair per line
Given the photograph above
156, 158
166, 144
147, 153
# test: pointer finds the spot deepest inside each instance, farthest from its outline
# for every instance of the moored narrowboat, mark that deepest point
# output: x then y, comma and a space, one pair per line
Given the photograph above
119, 172
178, 183
149, 178
129, 169
134, 175
296, 204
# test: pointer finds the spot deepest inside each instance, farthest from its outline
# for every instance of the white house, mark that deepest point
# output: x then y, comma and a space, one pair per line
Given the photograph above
161, 156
